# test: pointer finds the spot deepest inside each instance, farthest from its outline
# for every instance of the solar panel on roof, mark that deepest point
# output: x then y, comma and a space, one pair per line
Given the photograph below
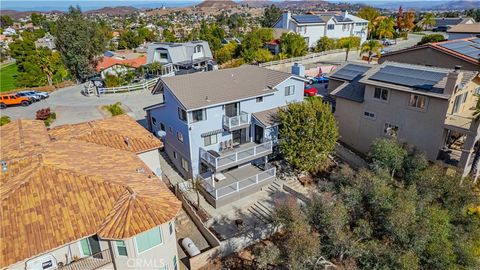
307, 19
421, 79
476, 40
469, 48
350, 72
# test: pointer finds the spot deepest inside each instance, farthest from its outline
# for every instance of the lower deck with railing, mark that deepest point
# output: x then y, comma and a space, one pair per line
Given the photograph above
236, 184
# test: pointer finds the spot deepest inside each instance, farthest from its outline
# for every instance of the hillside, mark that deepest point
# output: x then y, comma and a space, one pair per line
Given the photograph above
114, 11
217, 4
256, 3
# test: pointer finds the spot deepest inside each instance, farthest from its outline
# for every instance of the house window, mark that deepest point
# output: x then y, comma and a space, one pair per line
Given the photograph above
457, 103
171, 130
154, 121
259, 99
477, 91
174, 155
162, 126
198, 115
369, 114
180, 136
170, 228
148, 240
209, 140
121, 248
185, 164
331, 26
465, 95
390, 130
197, 49
417, 101
182, 114
175, 267
381, 93
290, 90
163, 55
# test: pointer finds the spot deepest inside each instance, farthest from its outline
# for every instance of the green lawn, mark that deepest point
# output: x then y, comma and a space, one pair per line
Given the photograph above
7, 79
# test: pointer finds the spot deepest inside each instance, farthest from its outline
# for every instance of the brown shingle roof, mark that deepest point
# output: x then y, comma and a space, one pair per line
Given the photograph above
268, 117
203, 89
17, 140
112, 132
465, 28
61, 191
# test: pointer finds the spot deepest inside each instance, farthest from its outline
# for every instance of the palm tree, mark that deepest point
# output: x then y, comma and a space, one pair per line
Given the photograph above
429, 20
155, 67
197, 185
348, 43
371, 47
385, 28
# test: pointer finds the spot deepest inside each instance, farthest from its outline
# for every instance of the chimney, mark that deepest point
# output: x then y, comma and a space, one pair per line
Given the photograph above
453, 78
344, 14
298, 69
286, 16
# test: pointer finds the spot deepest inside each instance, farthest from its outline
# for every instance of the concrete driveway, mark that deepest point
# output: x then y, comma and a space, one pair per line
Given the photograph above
72, 107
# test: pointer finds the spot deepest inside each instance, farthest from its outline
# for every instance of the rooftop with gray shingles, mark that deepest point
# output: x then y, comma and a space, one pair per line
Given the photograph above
205, 89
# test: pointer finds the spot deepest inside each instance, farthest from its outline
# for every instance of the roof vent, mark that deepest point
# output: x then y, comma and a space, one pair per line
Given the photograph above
457, 68
207, 99
4, 166
140, 170
127, 142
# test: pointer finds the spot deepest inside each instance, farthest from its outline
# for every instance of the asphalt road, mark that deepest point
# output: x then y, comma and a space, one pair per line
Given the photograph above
72, 107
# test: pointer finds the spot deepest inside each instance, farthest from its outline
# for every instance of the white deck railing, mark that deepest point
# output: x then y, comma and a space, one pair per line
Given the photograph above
238, 186
234, 156
236, 121
147, 85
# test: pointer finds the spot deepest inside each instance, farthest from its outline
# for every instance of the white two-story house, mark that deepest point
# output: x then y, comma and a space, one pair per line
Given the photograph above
313, 27
220, 126
181, 58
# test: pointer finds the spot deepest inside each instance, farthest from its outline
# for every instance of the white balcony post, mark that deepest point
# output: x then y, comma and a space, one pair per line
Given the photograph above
237, 186
256, 178
216, 193
236, 156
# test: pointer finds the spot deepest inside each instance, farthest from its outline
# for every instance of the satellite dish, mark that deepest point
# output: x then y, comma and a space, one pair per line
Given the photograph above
161, 134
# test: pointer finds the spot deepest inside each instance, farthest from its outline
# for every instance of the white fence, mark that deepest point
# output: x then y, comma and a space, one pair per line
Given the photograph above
147, 85
302, 58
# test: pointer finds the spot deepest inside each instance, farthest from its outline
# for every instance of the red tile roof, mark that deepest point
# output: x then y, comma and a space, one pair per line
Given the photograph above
107, 62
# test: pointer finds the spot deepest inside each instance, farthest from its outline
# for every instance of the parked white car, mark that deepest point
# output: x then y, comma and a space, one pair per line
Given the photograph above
43, 95
31, 95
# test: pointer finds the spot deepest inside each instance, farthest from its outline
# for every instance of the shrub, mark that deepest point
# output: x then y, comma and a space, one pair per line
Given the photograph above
46, 115
431, 38
114, 109
4, 120
111, 81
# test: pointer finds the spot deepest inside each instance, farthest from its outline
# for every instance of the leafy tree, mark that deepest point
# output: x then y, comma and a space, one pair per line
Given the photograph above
145, 34
80, 41
47, 62
253, 43
129, 39
325, 44
388, 155
270, 16
264, 256
371, 47
155, 67
38, 19
263, 55
5, 21
213, 34
227, 52
20, 50
400, 19
432, 38
169, 36
409, 20
309, 133
368, 13
473, 13
429, 20
293, 44
385, 28
348, 43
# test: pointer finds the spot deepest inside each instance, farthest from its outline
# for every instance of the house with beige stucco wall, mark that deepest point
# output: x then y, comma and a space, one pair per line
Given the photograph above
83, 197
428, 108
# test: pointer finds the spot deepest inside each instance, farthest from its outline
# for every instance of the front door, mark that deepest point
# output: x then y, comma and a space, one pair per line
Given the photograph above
259, 134
232, 109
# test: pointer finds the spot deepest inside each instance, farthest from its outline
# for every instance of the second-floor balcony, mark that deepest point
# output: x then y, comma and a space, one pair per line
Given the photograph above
231, 123
461, 123
237, 155
95, 261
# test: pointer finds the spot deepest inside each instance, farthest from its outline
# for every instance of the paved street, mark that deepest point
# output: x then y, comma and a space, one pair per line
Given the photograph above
72, 107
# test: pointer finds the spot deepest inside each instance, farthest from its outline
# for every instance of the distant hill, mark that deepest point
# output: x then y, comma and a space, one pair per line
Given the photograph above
459, 4
22, 14
113, 11
425, 5
303, 4
256, 3
217, 4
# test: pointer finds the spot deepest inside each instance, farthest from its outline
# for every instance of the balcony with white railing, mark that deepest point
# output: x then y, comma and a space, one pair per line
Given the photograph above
241, 181
237, 155
236, 122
